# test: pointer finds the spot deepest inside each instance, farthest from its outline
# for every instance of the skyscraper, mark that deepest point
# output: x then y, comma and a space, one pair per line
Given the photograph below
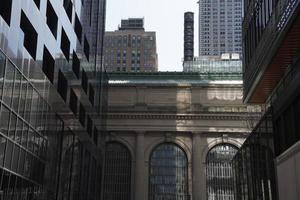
52, 97
220, 27
130, 48
188, 36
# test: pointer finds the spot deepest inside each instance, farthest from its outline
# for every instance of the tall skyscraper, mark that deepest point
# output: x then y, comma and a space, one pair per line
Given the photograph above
130, 48
220, 27
52, 97
188, 36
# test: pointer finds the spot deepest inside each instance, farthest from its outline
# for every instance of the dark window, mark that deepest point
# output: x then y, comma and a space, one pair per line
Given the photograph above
168, 172
86, 49
89, 126
68, 8
48, 65
65, 44
73, 102
5, 10
95, 136
91, 94
76, 65
78, 28
37, 3
30, 35
62, 86
84, 81
219, 172
51, 19
117, 172
82, 115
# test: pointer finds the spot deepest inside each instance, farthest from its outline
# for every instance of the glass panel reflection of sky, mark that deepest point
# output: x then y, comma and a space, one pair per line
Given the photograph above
168, 173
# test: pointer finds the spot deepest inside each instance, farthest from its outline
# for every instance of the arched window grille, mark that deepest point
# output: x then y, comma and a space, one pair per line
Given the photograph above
219, 172
168, 175
117, 172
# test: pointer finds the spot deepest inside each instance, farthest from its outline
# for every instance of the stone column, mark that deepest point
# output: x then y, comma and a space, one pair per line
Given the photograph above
196, 167
139, 167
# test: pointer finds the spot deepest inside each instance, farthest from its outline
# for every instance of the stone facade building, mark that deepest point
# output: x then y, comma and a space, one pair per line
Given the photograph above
173, 126
131, 48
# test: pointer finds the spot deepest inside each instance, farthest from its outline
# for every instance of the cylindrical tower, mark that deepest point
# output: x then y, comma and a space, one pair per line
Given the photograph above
188, 36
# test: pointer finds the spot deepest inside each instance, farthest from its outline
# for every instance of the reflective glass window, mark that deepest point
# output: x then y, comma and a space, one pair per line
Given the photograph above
65, 44
2, 150
16, 92
168, 175
22, 97
4, 120
5, 10
52, 19
30, 35
2, 68
117, 172
8, 154
48, 65
219, 172
78, 28
8, 83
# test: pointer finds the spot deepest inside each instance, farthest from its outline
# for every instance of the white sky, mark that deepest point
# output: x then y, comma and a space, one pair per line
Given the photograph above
165, 17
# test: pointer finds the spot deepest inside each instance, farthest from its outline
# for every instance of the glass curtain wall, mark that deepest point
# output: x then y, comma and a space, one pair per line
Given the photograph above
168, 175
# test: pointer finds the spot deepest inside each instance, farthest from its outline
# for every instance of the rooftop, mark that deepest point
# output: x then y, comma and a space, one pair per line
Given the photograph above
175, 78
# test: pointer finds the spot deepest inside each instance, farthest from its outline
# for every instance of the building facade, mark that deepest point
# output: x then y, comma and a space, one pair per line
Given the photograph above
220, 27
131, 48
173, 135
52, 98
271, 75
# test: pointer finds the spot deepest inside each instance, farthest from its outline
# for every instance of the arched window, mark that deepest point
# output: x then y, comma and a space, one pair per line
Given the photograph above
219, 174
168, 175
117, 172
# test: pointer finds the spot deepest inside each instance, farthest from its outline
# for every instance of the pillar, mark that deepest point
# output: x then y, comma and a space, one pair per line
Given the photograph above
139, 167
196, 167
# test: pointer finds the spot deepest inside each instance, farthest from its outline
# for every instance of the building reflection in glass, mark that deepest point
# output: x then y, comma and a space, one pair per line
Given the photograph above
168, 175
117, 172
51, 83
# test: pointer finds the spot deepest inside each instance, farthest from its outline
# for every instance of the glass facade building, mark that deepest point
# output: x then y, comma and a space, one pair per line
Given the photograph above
52, 99
220, 27
214, 64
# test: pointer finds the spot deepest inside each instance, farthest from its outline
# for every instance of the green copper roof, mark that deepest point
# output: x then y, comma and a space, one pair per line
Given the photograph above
174, 78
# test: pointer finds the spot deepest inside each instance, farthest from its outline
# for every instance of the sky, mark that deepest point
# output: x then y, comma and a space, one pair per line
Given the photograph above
165, 17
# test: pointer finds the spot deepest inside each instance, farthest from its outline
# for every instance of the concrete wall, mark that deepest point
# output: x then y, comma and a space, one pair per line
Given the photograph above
288, 174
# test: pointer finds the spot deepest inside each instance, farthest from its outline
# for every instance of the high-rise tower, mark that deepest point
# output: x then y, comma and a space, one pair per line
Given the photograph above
52, 89
220, 27
188, 36
130, 48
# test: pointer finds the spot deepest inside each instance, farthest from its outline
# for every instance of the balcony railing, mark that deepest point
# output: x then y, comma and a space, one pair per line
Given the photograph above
269, 41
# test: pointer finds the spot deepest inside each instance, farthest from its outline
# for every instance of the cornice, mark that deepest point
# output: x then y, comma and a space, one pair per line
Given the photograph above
214, 116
